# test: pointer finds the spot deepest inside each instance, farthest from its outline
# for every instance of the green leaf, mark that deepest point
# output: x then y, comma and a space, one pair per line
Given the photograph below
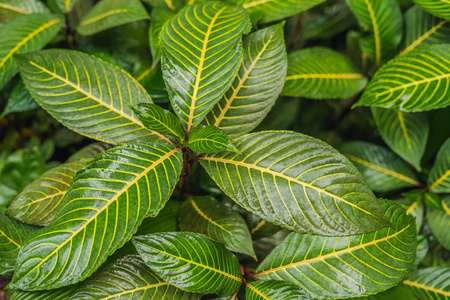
39, 202
159, 119
273, 10
202, 52
129, 278
58, 294
165, 221
322, 73
439, 178
399, 292
440, 8
208, 139
382, 23
152, 80
274, 290
208, 216
416, 81
414, 206
298, 182
176, 258
24, 34
11, 9
430, 283
405, 133
350, 266
260, 228
89, 151
382, 169
19, 100
102, 209
433, 201
159, 17
439, 222
12, 236
65, 6
423, 29
422, 249
256, 86
111, 13
91, 99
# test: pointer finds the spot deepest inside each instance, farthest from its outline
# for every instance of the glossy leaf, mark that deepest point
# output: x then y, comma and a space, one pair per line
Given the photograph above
382, 23
298, 182
129, 278
208, 139
105, 204
414, 82
430, 283
11, 9
439, 178
159, 119
343, 267
399, 292
24, 34
405, 133
175, 257
422, 28
202, 52
273, 10
86, 99
274, 290
65, 6
39, 202
257, 85
89, 151
19, 100
440, 8
382, 169
159, 17
439, 222
110, 13
210, 217
321, 73
59, 294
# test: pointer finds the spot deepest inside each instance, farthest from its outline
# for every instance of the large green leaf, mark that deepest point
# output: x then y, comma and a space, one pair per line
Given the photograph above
400, 292
256, 86
208, 139
405, 133
202, 52
10, 9
422, 28
430, 283
159, 17
381, 21
129, 278
440, 8
176, 257
65, 6
273, 10
165, 221
343, 267
89, 151
58, 294
416, 81
439, 178
298, 182
110, 13
86, 94
39, 202
322, 73
208, 216
274, 290
382, 169
102, 209
24, 34
439, 222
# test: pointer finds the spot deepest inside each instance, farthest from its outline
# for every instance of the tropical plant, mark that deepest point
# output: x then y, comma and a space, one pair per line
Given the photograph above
178, 200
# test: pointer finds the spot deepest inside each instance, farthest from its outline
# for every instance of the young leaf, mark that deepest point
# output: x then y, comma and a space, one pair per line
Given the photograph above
382, 169
102, 209
208, 216
19, 100
202, 52
24, 34
321, 73
65, 6
11, 9
382, 23
439, 178
416, 81
274, 290
176, 257
440, 8
159, 119
256, 86
350, 266
405, 133
89, 151
422, 28
129, 278
430, 283
298, 182
63, 293
208, 139
159, 17
39, 202
439, 222
90, 99
110, 13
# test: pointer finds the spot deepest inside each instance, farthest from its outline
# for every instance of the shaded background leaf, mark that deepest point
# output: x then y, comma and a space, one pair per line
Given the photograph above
11, 9
439, 178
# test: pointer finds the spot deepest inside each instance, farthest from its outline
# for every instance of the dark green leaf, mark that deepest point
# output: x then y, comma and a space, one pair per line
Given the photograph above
439, 178
414, 206
11, 9
422, 248
65, 6
433, 200
152, 80
89, 151
274, 290
159, 17
19, 100
165, 221
208, 139
439, 222
430, 283
58, 294
260, 228
440, 8
400, 292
